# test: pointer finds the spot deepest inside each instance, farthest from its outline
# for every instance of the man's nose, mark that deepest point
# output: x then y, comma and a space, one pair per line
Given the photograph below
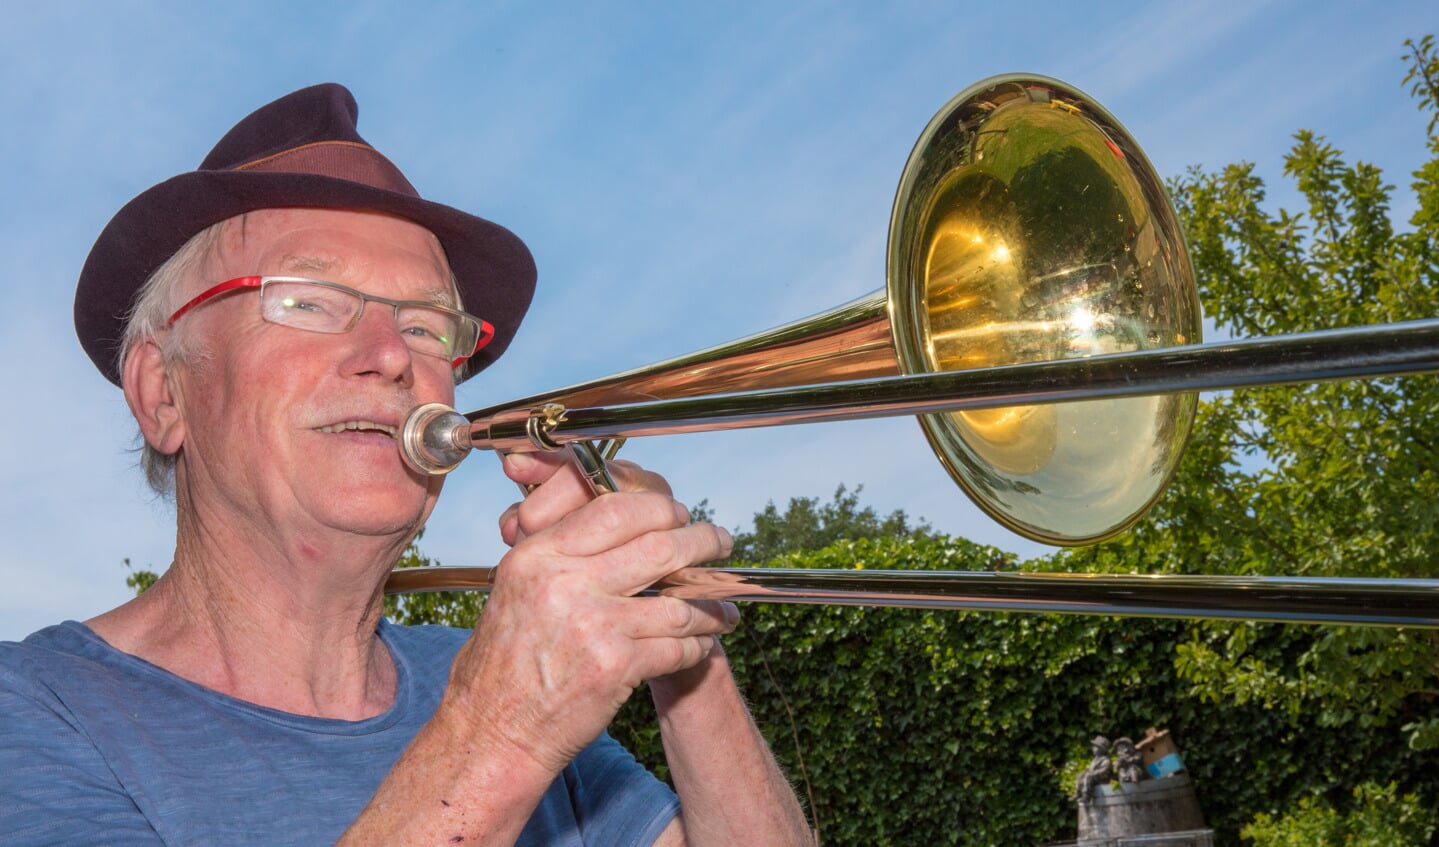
379, 346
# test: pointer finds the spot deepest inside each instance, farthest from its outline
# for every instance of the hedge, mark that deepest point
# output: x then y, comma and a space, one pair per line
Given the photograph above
914, 727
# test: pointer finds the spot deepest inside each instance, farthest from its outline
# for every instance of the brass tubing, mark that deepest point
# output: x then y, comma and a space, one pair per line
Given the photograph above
1369, 352
1318, 600
1359, 353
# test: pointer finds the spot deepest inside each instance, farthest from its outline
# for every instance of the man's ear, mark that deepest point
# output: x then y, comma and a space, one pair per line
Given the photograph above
151, 398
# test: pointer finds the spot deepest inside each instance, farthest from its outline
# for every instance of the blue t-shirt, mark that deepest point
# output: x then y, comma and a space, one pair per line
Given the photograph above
100, 747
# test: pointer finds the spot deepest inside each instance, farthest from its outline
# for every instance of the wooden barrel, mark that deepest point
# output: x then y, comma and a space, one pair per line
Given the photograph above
1160, 805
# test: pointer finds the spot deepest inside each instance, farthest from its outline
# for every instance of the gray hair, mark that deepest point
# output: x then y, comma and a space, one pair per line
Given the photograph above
149, 320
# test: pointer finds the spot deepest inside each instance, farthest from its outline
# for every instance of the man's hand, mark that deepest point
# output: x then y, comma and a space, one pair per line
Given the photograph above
564, 640
557, 488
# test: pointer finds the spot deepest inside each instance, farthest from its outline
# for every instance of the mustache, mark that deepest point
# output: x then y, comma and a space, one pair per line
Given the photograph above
389, 413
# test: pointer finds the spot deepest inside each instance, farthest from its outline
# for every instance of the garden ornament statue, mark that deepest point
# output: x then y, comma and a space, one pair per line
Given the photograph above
1129, 760
1099, 772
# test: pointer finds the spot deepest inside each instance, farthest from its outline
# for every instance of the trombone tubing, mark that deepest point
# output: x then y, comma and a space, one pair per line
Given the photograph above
1314, 600
1365, 352
1385, 350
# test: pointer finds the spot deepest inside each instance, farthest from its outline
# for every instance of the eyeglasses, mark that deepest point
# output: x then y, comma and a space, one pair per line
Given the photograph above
318, 306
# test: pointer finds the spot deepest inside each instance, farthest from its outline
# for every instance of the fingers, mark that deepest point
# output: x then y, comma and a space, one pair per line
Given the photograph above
618, 545
671, 617
538, 468
647, 639
566, 631
670, 656
532, 468
664, 643
556, 488
634, 528
564, 638
531, 471
666, 655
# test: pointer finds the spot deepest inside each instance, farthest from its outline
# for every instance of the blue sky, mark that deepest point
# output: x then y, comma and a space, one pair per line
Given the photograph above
685, 174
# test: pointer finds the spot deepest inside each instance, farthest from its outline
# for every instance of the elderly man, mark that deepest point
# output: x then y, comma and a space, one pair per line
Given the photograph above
271, 318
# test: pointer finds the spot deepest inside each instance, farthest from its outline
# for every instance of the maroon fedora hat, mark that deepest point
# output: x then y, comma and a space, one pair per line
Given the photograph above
300, 151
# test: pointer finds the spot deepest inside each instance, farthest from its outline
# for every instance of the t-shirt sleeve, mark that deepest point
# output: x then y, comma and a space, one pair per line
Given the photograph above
55, 785
616, 800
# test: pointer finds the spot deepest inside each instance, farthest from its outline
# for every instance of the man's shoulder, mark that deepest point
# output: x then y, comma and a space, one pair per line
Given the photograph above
54, 672
67, 637
63, 648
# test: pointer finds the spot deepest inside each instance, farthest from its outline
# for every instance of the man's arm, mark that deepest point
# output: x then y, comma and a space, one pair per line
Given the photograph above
731, 789
562, 643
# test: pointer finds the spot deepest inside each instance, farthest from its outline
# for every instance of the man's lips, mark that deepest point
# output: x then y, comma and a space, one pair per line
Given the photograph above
359, 426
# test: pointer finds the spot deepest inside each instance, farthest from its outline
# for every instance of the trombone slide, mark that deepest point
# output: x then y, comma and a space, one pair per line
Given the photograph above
1314, 600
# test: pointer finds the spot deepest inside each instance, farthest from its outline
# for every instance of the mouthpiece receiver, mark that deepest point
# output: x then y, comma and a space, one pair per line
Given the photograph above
434, 439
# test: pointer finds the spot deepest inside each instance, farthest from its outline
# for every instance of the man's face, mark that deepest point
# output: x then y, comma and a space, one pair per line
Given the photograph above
285, 428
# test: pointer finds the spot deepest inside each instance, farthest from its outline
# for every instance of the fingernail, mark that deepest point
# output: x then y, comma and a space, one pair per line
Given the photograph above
731, 613
519, 461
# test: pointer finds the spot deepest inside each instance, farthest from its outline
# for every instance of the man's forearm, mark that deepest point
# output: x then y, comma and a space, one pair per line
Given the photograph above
451, 786
731, 789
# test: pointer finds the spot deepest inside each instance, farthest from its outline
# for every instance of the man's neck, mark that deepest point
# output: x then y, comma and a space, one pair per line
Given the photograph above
288, 629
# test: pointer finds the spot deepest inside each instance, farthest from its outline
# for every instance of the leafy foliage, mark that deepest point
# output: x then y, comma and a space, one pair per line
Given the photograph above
1337, 479
450, 608
1377, 818
935, 727
1423, 77
807, 525
912, 727
141, 579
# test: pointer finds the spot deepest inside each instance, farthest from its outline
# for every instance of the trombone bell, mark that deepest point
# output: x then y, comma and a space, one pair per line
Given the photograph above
1027, 227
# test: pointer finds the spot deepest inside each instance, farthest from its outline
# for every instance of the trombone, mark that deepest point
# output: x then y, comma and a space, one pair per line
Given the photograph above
1041, 319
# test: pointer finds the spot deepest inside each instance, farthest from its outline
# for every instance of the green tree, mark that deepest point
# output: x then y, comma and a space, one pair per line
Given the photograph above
448, 608
140, 579
1337, 479
806, 524
1380, 818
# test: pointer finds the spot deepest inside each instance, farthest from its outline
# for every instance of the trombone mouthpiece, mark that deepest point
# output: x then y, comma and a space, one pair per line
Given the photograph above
434, 439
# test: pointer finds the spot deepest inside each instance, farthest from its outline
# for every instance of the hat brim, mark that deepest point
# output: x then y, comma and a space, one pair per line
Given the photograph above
493, 267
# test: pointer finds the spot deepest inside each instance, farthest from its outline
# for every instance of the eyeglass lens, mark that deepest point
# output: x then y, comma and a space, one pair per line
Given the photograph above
323, 308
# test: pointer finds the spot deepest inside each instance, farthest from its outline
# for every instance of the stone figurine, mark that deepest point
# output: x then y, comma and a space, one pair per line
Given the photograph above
1130, 761
1099, 772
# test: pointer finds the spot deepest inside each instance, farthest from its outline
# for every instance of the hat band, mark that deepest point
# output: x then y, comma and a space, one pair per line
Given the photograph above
347, 160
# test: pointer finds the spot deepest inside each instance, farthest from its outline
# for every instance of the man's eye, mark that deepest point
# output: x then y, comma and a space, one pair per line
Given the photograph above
430, 327
307, 310
294, 304
429, 333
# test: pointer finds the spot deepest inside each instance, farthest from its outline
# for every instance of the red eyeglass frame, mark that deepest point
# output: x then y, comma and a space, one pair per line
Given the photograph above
487, 329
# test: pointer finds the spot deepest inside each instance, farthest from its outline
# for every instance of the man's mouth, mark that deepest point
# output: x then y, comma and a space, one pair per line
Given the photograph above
360, 426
